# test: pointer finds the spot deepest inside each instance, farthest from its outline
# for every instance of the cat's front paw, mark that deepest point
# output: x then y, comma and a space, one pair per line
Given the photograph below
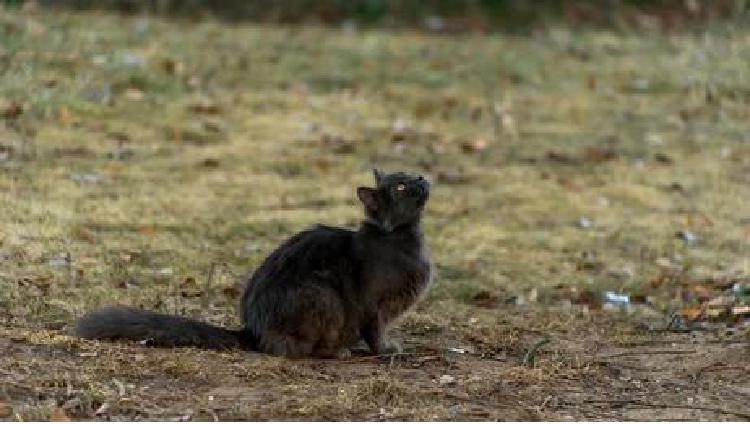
344, 354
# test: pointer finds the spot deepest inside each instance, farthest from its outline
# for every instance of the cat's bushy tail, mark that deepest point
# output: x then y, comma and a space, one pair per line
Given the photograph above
156, 329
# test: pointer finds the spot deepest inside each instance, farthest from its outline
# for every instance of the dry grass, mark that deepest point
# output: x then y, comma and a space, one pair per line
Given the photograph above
148, 150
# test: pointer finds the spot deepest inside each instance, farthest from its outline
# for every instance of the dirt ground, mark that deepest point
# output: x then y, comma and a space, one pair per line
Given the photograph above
470, 369
589, 224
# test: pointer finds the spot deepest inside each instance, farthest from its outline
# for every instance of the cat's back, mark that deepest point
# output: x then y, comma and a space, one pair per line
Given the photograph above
318, 249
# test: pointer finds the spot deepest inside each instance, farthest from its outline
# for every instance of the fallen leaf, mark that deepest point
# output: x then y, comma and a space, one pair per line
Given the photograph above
741, 310
450, 101
147, 230
424, 109
598, 154
58, 414
5, 410
66, 116
663, 158
485, 299
675, 187
591, 82
12, 110
172, 66
691, 313
338, 144
210, 163
476, 113
474, 145
191, 294
119, 136
49, 82
585, 297
639, 299
231, 292
205, 106
214, 126
322, 165
698, 220
701, 292
569, 184
86, 235
589, 264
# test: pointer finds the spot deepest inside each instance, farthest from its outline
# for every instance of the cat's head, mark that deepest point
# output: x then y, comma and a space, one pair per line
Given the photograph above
397, 199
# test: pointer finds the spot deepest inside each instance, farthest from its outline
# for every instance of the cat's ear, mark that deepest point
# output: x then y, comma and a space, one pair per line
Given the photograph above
378, 175
367, 197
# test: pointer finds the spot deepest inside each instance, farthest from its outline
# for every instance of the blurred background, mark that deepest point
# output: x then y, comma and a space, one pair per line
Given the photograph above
452, 16
589, 221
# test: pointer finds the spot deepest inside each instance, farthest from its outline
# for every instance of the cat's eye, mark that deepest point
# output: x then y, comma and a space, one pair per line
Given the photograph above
401, 187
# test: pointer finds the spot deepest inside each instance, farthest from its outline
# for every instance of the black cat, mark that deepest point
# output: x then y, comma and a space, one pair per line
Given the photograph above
318, 294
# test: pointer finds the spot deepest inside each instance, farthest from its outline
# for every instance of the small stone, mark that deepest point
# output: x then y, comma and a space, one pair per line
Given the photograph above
87, 178
166, 271
131, 60
584, 222
640, 85
616, 298
59, 260
654, 139
687, 236
447, 380
103, 409
311, 127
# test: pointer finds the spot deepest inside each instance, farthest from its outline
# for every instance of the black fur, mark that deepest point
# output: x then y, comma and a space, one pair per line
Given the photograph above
153, 328
318, 293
